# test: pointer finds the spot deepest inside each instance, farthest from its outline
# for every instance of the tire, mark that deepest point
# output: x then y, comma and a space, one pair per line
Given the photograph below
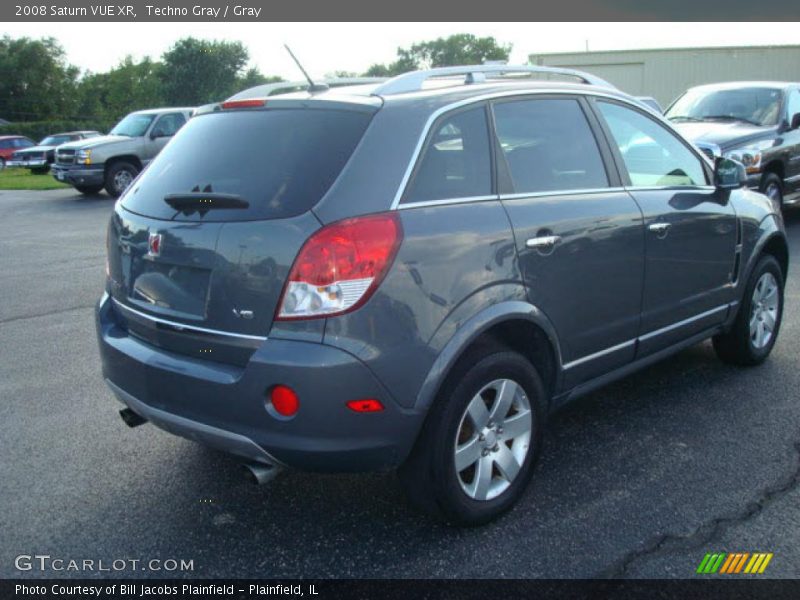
430, 477
116, 176
2, 164
89, 189
772, 187
744, 345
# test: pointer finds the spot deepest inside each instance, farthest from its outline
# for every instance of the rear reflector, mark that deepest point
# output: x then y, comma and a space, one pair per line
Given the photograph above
365, 406
254, 103
340, 266
284, 400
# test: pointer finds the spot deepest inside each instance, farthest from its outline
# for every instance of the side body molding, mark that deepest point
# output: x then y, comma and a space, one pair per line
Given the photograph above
470, 330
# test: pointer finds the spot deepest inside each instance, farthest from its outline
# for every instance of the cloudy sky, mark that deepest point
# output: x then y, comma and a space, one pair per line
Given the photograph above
328, 47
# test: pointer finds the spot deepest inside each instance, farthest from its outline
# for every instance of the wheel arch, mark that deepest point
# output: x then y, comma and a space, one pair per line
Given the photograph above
131, 158
516, 324
775, 166
775, 245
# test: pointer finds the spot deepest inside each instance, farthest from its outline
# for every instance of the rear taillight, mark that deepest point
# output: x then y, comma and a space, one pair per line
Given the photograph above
340, 266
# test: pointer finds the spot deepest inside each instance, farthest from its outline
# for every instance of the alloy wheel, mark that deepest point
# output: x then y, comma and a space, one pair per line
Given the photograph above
493, 439
764, 310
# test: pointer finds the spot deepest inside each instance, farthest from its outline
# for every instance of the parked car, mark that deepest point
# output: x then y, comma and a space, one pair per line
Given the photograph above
10, 144
756, 123
38, 158
412, 275
113, 161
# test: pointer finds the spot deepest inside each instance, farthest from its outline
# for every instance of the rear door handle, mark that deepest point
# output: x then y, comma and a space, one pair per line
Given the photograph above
659, 228
545, 242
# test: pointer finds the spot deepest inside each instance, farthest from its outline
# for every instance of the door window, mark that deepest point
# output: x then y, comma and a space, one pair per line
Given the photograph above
794, 105
549, 146
456, 162
168, 125
653, 156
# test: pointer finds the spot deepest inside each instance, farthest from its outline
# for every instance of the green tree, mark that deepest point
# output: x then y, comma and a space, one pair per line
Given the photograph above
36, 82
253, 77
199, 71
128, 86
457, 49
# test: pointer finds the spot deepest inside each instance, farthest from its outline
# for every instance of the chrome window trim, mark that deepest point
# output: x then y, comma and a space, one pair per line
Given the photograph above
677, 188
401, 189
561, 193
180, 326
551, 193
679, 324
468, 199
646, 336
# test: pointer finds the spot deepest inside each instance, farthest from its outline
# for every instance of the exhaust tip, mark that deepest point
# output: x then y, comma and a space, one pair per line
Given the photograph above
131, 418
260, 474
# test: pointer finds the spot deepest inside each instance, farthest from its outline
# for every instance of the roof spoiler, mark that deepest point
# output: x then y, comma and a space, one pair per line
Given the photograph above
288, 87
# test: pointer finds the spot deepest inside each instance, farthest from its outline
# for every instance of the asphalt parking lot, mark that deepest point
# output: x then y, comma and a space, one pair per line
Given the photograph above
640, 479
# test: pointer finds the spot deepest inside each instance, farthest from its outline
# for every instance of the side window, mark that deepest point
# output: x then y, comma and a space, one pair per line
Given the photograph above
549, 146
168, 125
794, 105
5, 144
653, 156
456, 162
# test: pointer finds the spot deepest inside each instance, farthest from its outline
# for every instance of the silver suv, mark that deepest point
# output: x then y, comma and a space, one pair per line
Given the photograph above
113, 161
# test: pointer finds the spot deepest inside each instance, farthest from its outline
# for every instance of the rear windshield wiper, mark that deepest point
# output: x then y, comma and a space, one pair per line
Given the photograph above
732, 118
204, 201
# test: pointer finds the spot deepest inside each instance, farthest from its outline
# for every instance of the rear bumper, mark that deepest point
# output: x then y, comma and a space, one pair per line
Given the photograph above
224, 406
79, 175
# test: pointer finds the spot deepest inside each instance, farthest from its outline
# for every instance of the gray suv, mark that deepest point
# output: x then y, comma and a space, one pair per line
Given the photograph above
413, 274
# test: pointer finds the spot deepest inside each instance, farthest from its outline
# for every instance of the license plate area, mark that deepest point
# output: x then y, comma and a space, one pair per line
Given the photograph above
177, 290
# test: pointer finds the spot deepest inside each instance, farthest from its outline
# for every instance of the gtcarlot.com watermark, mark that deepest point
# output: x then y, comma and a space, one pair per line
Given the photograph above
47, 563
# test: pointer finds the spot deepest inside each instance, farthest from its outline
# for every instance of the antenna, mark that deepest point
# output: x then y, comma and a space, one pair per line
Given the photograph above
312, 87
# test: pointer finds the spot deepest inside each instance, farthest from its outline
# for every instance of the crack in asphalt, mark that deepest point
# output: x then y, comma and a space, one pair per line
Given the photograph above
708, 530
47, 314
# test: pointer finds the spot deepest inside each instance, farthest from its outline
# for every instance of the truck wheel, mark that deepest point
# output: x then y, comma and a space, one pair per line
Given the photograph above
2, 164
772, 187
119, 176
88, 189
478, 447
756, 327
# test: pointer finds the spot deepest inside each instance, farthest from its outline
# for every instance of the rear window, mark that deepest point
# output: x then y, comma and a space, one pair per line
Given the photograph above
456, 163
280, 161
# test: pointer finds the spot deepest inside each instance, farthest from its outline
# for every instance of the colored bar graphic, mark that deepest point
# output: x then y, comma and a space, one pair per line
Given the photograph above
727, 564
734, 562
765, 563
741, 562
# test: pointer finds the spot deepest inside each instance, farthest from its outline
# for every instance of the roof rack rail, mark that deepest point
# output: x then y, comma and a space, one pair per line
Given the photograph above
413, 81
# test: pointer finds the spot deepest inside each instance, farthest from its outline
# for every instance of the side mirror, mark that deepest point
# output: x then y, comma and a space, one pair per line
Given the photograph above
795, 123
729, 174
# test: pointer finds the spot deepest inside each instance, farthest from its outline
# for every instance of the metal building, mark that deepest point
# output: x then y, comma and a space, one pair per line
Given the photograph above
665, 73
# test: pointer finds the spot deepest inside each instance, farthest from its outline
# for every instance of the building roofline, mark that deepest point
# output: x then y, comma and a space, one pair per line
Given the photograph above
668, 49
